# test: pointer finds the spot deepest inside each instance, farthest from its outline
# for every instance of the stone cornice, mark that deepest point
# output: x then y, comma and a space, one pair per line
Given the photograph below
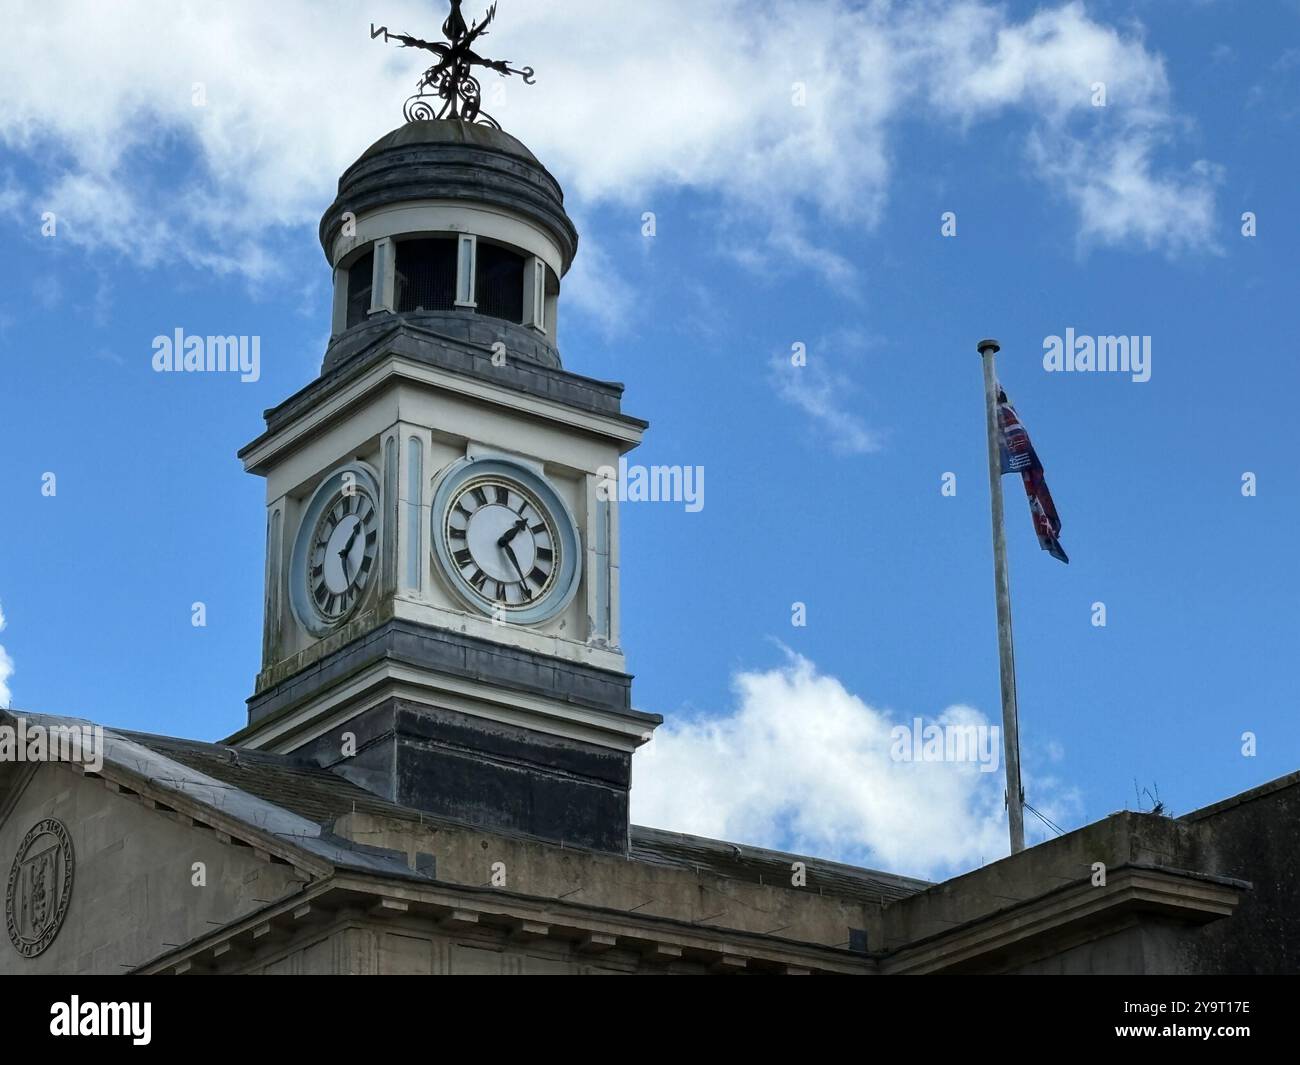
1075, 912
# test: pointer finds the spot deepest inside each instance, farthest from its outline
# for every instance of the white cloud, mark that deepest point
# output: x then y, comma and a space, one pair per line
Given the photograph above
1048, 64
595, 288
6, 668
654, 97
1100, 159
1119, 197
820, 393
801, 763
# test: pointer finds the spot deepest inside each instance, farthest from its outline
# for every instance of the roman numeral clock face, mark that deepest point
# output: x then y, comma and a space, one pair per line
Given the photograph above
343, 552
505, 540
336, 550
502, 542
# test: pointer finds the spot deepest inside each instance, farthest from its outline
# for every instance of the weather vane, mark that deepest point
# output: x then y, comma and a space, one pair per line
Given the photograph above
451, 79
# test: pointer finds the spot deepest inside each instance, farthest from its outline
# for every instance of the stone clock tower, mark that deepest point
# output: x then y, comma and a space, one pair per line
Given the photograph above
442, 568
434, 776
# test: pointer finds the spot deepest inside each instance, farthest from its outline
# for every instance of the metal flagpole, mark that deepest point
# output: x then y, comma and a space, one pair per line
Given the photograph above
1015, 794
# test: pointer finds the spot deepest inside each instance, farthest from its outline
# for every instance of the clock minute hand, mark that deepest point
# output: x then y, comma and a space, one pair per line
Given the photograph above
510, 553
347, 550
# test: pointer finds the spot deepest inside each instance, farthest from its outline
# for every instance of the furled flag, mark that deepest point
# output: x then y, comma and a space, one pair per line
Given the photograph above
1018, 456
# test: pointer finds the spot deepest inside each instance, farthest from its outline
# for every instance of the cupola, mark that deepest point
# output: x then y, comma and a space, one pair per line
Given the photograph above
452, 226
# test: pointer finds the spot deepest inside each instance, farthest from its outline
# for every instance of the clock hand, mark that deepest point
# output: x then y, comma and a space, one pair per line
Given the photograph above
512, 532
347, 551
347, 548
510, 552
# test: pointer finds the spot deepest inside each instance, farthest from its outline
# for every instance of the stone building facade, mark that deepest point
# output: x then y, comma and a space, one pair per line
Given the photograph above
307, 873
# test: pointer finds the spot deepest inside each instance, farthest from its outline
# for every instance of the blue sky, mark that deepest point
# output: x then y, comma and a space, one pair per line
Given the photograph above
775, 225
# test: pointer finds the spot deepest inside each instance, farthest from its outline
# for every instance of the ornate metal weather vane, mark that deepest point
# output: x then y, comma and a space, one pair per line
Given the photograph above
451, 79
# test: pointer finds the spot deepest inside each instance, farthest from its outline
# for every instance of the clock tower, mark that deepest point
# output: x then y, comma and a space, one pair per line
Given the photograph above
442, 564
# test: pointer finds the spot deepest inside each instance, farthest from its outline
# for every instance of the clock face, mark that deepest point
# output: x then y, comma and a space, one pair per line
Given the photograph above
343, 549
336, 550
503, 543
505, 540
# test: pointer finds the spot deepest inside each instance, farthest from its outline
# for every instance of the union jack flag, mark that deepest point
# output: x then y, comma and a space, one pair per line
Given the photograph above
1018, 456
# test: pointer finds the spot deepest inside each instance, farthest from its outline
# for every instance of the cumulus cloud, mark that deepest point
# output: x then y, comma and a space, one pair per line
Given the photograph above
1101, 108
801, 763
677, 94
1120, 198
6, 668
595, 288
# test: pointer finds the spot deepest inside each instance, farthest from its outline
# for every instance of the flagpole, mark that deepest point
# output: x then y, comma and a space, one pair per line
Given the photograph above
1015, 794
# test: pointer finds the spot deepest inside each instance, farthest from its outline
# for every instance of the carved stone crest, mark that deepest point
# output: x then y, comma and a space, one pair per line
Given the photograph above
40, 887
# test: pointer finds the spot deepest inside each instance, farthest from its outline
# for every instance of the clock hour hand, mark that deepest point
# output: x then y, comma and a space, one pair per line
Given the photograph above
514, 530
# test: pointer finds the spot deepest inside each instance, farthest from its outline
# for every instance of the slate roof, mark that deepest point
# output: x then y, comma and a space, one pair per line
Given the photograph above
311, 792
270, 815
323, 796
300, 802
758, 865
